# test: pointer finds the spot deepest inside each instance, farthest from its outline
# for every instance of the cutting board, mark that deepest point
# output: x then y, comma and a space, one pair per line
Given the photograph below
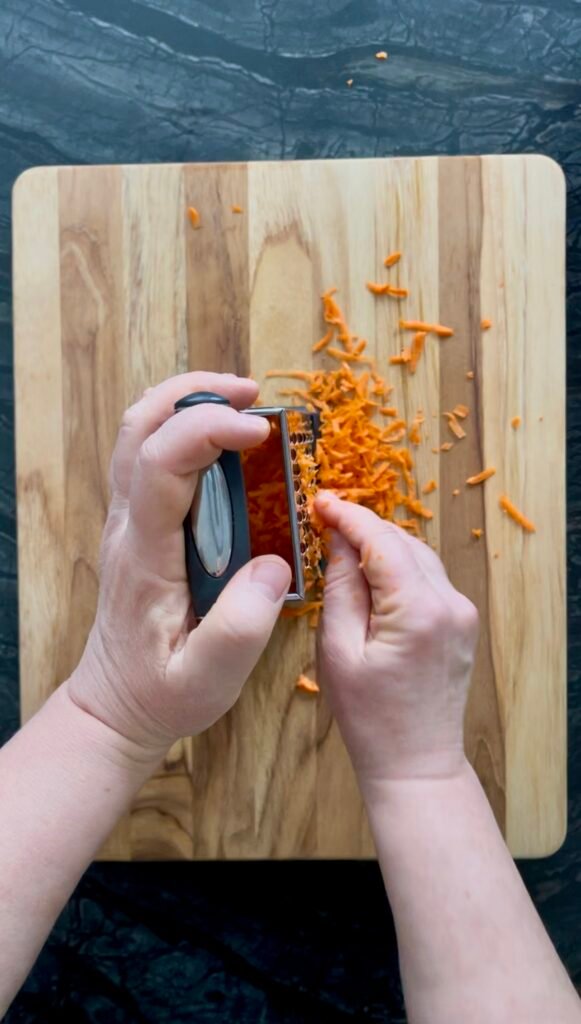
114, 290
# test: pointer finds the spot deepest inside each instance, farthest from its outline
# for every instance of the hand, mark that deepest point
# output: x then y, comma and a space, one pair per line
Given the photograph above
148, 671
396, 648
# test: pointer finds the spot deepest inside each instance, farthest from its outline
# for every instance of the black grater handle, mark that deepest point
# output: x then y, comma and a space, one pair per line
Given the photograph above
205, 585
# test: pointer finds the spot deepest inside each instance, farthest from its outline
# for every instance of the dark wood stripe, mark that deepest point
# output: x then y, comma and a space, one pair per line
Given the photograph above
218, 292
460, 240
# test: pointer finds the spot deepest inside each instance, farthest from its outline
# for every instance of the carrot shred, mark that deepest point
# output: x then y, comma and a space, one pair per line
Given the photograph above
324, 341
479, 478
307, 685
417, 347
455, 492
485, 324
476, 532
429, 487
461, 411
392, 259
194, 217
514, 513
470, 375
388, 410
386, 289
403, 358
515, 422
446, 446
236, 208
454, 426
421, 325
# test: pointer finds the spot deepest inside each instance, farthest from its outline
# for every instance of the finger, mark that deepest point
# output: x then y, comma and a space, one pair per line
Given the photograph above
166, 473
347, 604
157, 405
220, 654
384, 555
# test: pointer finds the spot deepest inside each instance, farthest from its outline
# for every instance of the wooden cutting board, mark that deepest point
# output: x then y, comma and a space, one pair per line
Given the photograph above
113, 291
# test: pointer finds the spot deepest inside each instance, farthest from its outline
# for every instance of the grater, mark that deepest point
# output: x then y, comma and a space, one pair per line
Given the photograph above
221, 533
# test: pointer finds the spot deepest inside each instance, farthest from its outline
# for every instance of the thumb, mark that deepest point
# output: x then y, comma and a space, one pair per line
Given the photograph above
221, 652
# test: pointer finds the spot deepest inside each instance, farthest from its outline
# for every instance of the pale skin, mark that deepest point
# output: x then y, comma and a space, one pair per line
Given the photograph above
395, 654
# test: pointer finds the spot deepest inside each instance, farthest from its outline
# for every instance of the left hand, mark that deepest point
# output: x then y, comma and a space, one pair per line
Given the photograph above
148, 671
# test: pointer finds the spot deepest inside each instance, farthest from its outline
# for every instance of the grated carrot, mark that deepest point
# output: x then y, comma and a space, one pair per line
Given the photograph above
470, 375
392, 259
307, 685
414, 432
194, 217
429, 487
421, 325
386, 289
476, 533
324, 341
485, 324
514, 513
417, 348
454, 426
388, 410
446, 446
461, 411
236, 208
403, 358
515, 422
455, 492
479, 478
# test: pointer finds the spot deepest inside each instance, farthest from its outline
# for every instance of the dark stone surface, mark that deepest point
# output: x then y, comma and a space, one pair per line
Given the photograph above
92, 81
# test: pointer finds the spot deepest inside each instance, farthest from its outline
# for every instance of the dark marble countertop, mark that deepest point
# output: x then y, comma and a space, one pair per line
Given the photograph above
96, 81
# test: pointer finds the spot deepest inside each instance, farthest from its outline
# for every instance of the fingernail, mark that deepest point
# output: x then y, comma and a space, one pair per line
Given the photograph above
272, 577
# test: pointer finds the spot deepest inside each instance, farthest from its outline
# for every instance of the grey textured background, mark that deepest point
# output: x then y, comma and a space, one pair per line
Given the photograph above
94, 81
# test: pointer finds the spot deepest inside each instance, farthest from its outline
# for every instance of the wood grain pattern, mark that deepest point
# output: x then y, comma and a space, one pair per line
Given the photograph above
114, 290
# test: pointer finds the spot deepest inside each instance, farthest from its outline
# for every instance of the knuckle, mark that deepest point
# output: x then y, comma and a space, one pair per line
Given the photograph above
465, 614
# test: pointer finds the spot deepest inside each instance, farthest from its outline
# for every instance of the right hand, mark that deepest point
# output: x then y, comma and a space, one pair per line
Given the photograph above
396, 648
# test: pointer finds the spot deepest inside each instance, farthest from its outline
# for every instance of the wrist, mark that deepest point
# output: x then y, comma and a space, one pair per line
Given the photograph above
389, 795
89, 735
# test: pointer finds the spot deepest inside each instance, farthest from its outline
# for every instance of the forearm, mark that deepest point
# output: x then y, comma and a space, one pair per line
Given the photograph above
65, 779
471, 944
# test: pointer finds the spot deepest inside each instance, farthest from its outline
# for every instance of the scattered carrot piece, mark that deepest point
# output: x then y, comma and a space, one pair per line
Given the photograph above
386, 289
194, 217
421, 325
429, 487
461, 411
455, 492
485, 324
414, 432
515, 422
470, 375
479, 478
435, 451
381, 55
236, 208
476, 533
324, 341
307, 685
404, 357
417, 348
388, 410
446, 446
514, 513
392, 259
454, 426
